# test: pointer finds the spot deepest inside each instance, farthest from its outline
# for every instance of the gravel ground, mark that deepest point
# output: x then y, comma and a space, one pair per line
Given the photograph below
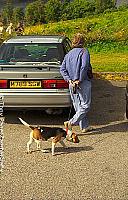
94, 169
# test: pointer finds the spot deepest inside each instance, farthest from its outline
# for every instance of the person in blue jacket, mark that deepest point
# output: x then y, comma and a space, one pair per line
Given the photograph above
74, 70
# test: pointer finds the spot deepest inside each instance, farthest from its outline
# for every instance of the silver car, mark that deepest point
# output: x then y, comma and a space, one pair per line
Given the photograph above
29, 72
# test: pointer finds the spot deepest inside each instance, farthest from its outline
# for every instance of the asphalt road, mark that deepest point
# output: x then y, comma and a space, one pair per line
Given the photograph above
94, 169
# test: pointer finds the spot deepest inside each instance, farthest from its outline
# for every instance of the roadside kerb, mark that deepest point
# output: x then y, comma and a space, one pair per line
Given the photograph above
116, 76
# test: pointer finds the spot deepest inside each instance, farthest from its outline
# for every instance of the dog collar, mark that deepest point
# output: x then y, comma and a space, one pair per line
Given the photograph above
67, 131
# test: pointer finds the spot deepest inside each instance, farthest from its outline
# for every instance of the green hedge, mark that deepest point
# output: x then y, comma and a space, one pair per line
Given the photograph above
108, 30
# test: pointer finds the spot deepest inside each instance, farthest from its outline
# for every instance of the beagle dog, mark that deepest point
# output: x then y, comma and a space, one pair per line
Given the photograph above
44, 133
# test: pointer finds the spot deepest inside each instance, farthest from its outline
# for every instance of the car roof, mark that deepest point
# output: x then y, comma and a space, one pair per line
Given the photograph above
36, 39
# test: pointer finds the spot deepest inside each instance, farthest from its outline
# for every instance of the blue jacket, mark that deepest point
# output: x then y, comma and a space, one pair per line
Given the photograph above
75, 65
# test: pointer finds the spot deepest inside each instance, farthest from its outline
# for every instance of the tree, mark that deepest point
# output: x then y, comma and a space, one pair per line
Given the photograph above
81, 8
66, 10
18, 15
53, 10
7, 13
34, 13
102, 5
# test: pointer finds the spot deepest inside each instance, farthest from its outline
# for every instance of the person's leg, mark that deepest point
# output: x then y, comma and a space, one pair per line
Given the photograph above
82, 102
73, 98
86, 98
67, 124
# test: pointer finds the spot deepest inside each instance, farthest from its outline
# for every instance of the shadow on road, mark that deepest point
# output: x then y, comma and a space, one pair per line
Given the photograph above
116, 127
61, 150
108, 102
108, 105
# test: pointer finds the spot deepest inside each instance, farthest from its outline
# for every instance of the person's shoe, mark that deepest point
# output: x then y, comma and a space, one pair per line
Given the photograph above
88, 129
67, 124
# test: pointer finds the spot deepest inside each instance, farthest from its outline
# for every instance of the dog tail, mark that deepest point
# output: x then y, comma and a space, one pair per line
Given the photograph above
25, 123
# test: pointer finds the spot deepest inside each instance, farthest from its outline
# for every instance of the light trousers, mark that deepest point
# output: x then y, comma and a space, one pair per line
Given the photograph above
81, 102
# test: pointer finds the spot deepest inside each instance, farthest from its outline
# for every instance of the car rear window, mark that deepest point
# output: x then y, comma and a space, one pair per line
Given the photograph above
15, 53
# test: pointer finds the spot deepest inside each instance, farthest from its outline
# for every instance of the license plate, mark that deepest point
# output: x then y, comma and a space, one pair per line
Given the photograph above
25, 84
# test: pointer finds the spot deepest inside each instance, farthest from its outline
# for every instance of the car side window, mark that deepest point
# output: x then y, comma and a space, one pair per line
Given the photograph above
67, 45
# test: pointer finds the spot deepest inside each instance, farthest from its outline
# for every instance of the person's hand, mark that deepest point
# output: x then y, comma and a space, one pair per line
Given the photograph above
71, 83
77, 82
74, 83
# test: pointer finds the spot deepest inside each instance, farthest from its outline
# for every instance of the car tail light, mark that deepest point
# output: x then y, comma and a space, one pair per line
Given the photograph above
3, 83
54, 84
62, 84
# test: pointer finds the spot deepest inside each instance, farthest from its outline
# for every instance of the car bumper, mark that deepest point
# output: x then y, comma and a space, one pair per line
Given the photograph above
36, 99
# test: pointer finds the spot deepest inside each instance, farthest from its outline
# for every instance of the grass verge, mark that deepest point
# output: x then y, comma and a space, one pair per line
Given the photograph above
109, 62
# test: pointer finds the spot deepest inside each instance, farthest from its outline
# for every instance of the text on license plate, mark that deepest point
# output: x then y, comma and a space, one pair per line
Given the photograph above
25, 84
